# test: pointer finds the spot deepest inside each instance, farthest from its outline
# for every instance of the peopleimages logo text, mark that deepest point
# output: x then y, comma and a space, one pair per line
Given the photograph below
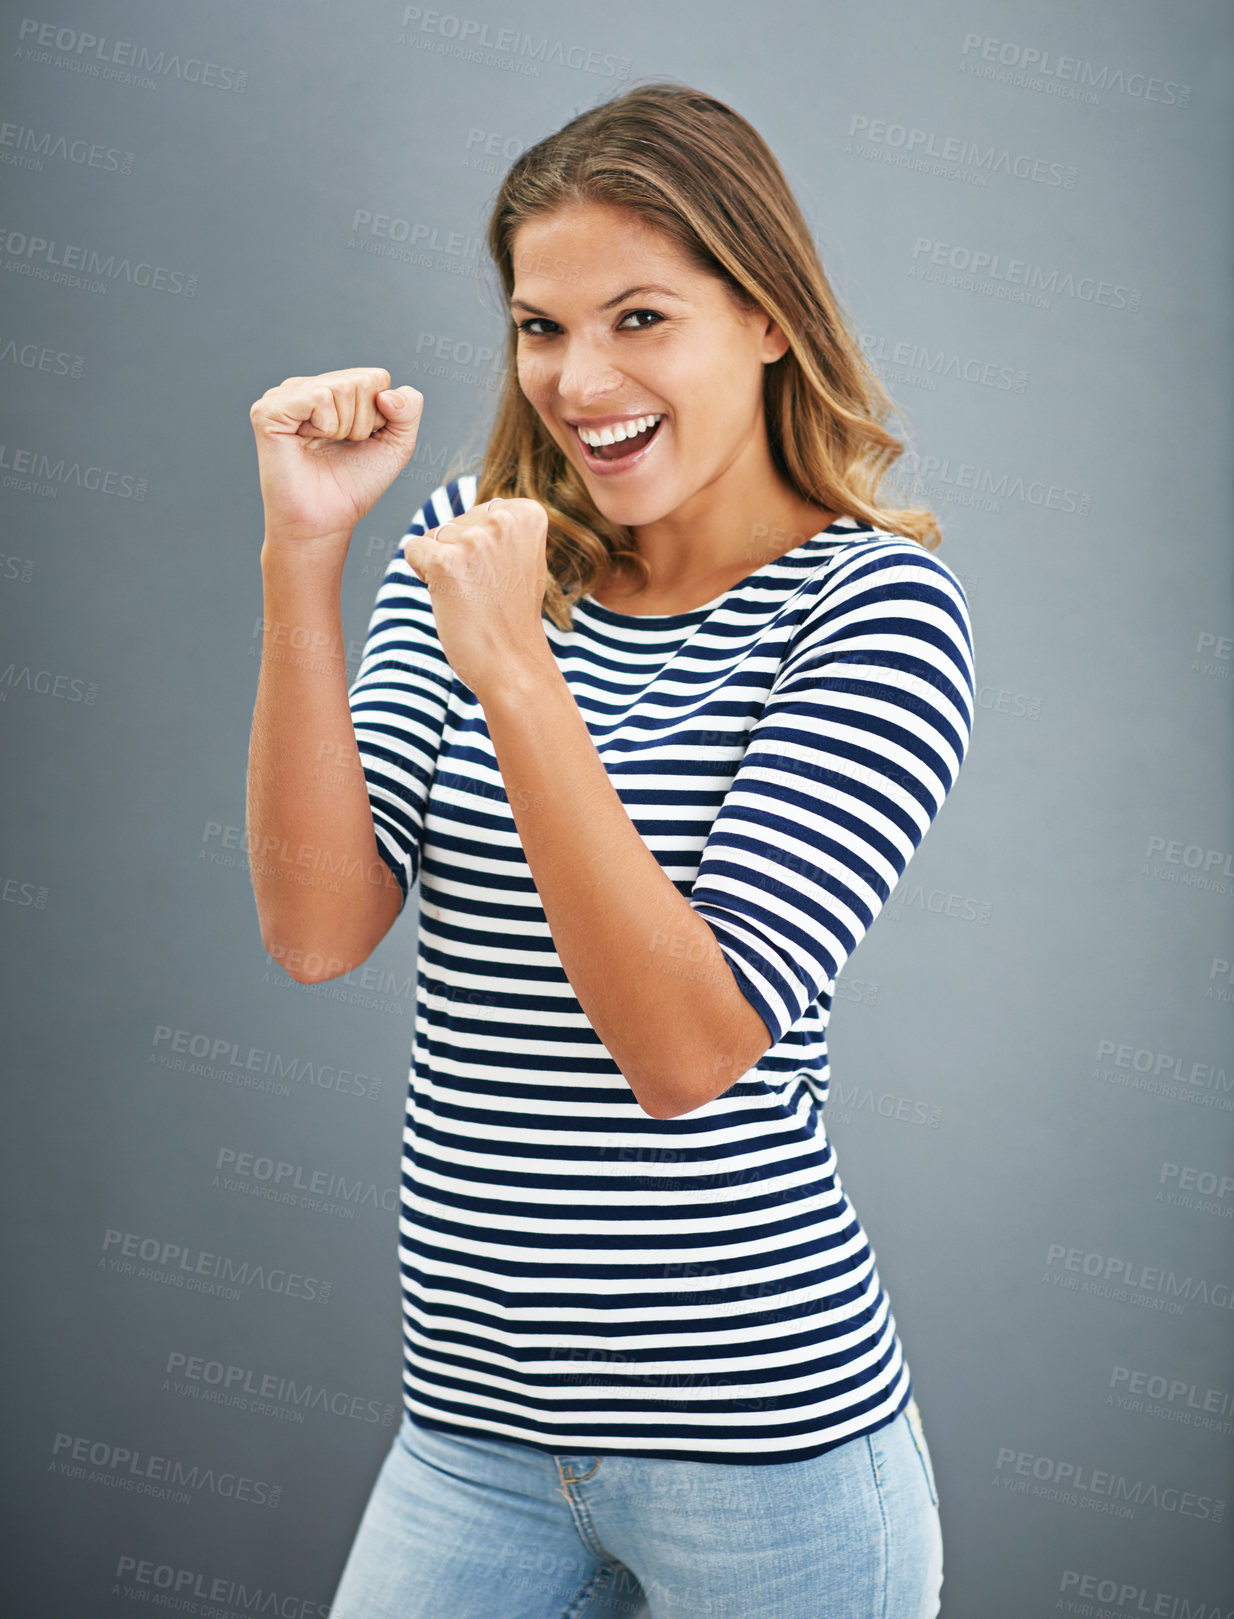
222, 1592
1098, 1482
125, 1465
199, 1270
94, 51
1130, 1275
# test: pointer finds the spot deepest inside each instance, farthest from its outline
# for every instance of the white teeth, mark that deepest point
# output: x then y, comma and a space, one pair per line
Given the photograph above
616, 434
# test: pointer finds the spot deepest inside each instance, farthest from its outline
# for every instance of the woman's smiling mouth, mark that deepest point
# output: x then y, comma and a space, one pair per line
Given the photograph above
608, 451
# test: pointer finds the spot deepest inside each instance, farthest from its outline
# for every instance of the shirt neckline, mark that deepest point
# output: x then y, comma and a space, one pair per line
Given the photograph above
612, 616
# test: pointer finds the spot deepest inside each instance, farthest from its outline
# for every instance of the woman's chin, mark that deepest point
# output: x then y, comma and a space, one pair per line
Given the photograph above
634, 511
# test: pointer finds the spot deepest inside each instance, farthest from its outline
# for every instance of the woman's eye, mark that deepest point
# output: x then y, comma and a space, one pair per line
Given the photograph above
540, 320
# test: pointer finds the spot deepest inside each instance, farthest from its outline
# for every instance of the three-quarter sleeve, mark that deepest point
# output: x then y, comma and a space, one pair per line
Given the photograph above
400, 694
861, 738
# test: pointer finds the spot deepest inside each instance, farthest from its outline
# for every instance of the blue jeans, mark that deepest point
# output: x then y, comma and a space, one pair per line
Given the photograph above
469, 1528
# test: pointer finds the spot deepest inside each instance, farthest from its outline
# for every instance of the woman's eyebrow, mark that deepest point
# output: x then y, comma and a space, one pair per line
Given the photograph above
628, 293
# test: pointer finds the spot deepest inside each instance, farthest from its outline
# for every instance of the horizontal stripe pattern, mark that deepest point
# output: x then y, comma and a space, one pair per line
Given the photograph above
576, 1275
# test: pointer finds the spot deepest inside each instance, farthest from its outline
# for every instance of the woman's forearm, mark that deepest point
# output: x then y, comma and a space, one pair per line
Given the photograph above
645, 966
325, 897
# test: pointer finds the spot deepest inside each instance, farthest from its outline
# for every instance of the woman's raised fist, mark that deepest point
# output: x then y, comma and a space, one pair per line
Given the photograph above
328, 448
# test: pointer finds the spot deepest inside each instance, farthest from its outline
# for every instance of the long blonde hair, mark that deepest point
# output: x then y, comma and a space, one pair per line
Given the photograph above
692, 168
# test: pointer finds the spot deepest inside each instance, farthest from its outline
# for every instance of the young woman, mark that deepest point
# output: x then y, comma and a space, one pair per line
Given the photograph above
656, 706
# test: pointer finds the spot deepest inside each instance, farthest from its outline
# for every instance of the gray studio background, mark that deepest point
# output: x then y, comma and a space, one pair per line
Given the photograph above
1025, 210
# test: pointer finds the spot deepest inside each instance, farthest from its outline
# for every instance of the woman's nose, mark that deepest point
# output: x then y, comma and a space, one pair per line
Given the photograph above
586, 376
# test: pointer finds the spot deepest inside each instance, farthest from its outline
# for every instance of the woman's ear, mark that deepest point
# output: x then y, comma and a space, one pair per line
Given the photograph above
775, 342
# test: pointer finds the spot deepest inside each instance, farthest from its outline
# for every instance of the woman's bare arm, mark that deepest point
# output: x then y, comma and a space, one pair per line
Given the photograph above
645, 966
325, 897
328, 447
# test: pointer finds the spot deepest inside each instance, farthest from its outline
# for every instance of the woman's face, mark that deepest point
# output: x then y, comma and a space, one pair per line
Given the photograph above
617, 324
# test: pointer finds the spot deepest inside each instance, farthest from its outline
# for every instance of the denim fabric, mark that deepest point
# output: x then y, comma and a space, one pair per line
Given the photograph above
469, 1528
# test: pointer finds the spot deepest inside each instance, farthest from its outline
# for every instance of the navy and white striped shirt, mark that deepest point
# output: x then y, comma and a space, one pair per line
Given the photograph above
578, 1276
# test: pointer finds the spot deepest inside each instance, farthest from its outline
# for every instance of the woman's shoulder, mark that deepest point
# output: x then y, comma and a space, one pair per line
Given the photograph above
402, 590
882, 558
450, 499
